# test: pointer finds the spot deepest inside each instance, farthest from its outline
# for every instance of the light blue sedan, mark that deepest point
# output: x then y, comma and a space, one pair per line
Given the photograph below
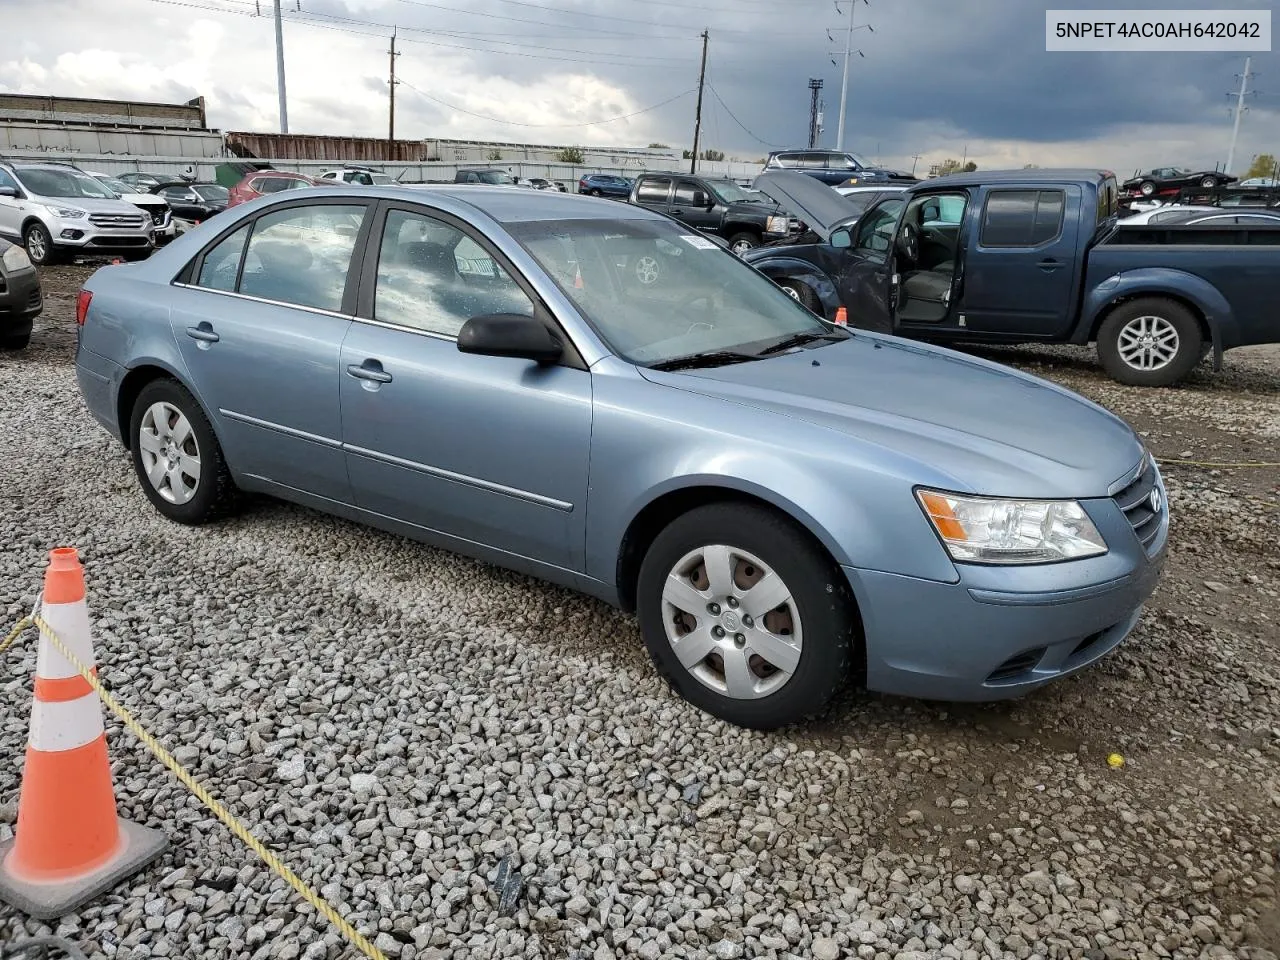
591, 393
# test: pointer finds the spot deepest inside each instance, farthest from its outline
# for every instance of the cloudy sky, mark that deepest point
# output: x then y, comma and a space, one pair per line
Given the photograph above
935, 77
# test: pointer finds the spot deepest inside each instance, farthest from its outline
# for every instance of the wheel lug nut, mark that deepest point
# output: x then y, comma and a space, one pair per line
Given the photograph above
748, 622
739, 640
713, 609
733, 601
717, 631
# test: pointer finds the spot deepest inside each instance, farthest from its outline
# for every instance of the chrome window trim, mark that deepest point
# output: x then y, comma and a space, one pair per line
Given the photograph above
274, 303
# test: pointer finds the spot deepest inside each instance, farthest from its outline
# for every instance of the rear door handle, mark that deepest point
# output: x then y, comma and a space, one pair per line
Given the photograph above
204, 331
369, 370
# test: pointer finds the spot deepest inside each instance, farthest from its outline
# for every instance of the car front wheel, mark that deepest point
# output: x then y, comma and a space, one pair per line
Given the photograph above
740, 243
1147, 188
39, 245
177, 457
1209, 182
745, 616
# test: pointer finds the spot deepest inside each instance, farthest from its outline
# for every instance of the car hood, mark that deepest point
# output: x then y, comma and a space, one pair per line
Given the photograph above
939, 416
817, 204
145, 200
89, 204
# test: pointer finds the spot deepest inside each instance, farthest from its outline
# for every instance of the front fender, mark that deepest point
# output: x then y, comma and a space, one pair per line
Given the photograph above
1197, 292
783, 267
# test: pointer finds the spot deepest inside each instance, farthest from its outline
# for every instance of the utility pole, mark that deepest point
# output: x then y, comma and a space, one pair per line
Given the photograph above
391, 118
814, 87
915, 158
284, 108
697, 120
844, 82
1240, 108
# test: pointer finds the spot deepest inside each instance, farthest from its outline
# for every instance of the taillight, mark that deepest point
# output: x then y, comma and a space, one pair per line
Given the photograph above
82, 306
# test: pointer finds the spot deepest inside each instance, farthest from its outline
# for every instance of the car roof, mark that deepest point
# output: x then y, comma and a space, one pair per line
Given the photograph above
501, 203
1035, 175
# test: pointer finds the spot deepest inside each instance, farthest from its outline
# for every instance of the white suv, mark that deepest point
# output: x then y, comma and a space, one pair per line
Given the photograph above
364, 176
56, 210
153, 205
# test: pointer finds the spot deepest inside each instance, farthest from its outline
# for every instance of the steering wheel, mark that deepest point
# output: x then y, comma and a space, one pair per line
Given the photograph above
909, 241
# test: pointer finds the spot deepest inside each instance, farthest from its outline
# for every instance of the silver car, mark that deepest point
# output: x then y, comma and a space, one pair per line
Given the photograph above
596, 395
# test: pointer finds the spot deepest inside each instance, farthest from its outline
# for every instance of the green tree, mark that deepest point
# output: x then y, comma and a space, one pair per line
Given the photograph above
712, 154
1264, 165
658, 146
969, 167
687, 154
495, 154
571, 155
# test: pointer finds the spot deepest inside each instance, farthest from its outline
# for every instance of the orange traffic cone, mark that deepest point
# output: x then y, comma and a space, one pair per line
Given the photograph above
70, 844
842, 316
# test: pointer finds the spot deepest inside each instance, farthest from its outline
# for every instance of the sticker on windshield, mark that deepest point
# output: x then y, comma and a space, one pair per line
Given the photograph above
702, 243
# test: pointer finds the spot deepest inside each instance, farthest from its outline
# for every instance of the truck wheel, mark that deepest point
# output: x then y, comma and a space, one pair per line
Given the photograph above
799, 290
743, 241
745, 617
1151, 342
1147, 188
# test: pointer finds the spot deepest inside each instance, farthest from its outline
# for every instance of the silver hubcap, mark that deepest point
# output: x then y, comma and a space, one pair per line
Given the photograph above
792, 292
1148, 343
170, 455
732, 622
35, 245
742, 246
647, 270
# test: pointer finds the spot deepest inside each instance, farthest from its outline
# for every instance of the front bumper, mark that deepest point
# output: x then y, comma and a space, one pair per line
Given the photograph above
1000, 632
81, 234
20, 300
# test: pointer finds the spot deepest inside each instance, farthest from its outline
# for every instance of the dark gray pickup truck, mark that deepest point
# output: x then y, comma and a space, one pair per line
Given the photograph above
1030, 256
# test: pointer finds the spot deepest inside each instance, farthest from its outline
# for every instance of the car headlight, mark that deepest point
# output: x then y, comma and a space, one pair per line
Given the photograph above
15, 258
776, 225
996, 530
70, 213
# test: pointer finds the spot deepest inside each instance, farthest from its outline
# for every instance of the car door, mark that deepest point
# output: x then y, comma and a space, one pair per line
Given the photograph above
488, 450
260, 328
655, 193
865, 281
184, 202
692, 203
11, 207
1022, 270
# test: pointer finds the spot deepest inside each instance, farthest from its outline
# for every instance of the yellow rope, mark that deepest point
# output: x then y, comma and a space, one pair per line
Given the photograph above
216, 808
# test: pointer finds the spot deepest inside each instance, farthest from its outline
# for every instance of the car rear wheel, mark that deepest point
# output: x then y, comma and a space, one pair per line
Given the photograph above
1152, 342
177, 457
1209, 182
745, 617
594, 193
1147, 188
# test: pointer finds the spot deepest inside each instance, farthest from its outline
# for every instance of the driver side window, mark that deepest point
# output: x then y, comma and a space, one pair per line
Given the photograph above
875, 231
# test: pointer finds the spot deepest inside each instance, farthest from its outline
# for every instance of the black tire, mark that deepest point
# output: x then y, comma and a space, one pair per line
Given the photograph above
215, 495
742, 241
15, 341
45, 243
594, 193
804, 293
824, 604
1190, 348
1209, 182
1146, 188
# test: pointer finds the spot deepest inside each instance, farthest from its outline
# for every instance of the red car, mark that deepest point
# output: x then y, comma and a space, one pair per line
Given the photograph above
262, 182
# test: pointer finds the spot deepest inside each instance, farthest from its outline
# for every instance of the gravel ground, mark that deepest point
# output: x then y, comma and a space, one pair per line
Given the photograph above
415, 733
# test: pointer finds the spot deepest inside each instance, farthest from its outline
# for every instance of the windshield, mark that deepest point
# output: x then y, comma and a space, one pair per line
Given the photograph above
655, 292
496, 177
212, 192
63, 183
118, 186
380, 178
727, 191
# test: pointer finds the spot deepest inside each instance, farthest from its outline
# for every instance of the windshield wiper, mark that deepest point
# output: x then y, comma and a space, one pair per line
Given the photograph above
711, 358
799, 340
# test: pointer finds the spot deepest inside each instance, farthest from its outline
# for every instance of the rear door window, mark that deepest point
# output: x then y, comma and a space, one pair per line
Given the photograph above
301, 255
222, 263
1022, 218
654, 190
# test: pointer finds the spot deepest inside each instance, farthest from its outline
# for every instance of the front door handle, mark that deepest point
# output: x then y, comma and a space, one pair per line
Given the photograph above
203, 332
369, 370
1049, 264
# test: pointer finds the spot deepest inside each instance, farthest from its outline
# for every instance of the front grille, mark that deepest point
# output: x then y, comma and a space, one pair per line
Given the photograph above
118, 242
159, 216
1016, 665
129, 220
1135, 500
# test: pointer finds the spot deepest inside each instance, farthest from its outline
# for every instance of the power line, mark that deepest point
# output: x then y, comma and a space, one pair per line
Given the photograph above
518, 123
734, 118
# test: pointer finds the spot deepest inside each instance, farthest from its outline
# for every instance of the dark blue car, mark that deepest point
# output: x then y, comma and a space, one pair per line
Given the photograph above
604, 185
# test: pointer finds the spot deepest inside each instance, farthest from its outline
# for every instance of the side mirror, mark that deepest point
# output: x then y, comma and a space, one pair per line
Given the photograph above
8, 192
842, 238
699, 199
510, 335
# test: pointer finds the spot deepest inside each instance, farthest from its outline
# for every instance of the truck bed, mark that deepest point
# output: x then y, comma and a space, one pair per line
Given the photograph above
1232, 270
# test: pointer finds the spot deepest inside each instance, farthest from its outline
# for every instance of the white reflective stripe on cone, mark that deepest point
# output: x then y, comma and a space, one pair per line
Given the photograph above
70, 621
65, 724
